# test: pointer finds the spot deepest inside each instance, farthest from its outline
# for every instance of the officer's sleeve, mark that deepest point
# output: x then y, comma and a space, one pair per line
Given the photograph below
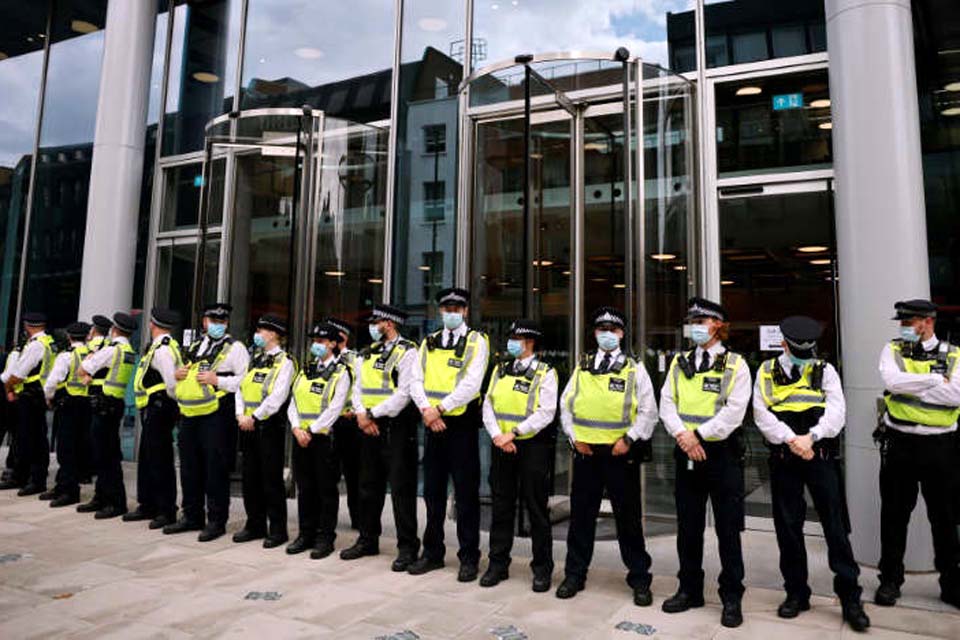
947, 393
772, 428
98, 359
646, 420
546, 409
417, 393
835, 415
238, 403
29, 359
356, 396
329, 416
896, 381
668, 408
394, 404
730, 416
566, 411
164, 363
471, 382
9, 366
58, 373
281, 389
292, 416
490, 418
236, 362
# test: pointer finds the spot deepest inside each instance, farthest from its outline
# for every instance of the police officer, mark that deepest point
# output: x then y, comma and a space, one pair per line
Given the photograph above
98, 339
702, 404
115, 365
388, 421
261, 417
606, 407
67, 394
446, 389
10, 420
26, 382
346, 439
318, 396
213, 367
154, 392
799, 408
922, 395
519, 407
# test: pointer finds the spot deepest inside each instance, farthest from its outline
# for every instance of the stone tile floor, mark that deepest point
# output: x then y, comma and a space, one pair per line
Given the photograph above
66, 575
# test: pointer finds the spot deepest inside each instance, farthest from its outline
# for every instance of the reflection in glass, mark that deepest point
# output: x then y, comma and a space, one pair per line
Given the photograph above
181, 198
742, 31
176, 270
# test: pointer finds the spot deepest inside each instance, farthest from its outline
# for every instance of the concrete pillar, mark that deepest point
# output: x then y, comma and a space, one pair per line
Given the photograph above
109, 249
881, 231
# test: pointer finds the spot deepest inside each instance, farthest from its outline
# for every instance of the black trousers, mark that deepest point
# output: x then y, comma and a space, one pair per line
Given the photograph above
620, 476
930, 464
789, 475
390, 458
156, 473
346, 444
33, 453
86, 454
8, 426
719, 478
73, 423
317, 472
453, 453
105, 426
205, 460
264, 496
524, 475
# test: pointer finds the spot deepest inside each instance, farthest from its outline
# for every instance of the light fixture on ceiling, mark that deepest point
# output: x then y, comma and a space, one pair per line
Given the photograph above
543, 263
619, 285
375, 280
308, 53
335, 274
826, 126
680, 267
952, 86
727, 283
424, 267
822, 103
82, 26
812, 248
566, 273
950, 112
749, 91
663, 257
821, 261
206, 77
432, 24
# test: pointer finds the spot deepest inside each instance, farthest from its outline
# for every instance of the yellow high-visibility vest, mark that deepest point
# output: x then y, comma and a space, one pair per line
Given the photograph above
148, 381
443, 368
603, 405
910, 409
515, 397
700, 397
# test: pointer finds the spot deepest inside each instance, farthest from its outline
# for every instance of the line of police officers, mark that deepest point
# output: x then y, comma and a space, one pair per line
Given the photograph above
356, 415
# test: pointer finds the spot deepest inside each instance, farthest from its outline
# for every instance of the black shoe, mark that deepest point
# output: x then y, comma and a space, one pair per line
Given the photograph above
31, 489
467, 573
64, 500
10, 484
246, 535
275, 540
569, 588
138, 514
210, 532
109, 511
854, 616
426, 565
182, 526
359, 550
886, 595
161, 521
642, 596
792, 606
49, 495
403, 562
322, 550
299, 545
680, 602
90, 507
732, 616
541, 582
494, 576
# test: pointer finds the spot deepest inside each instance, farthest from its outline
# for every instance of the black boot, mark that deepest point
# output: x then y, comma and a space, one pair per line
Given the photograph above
109, 511
210, 532
424, 565
31, 489
182, 526
792, 606
49, 495
569, 588
493, 576
138, 514
887, 594
161, 521
403, 561
642, 596
90, 507
299, 545
468, 572
732, 615
855, 616
360, 549
681, 601
64, 500
246, 535
275, 540
322, 549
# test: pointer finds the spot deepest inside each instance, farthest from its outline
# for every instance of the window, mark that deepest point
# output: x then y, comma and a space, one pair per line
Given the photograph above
435, 138
434, 194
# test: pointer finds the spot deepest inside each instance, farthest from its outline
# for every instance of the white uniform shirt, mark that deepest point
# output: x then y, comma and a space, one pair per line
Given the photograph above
328, 416
59, 371
646, 420
831, 422
10, 365
469, 385
407, 368
163, 363
235, 361
926, 387
281, 390
728, 418
101, 358
541, 417
30, 357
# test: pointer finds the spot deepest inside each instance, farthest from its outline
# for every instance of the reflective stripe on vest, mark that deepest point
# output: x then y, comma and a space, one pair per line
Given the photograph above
120, 371
795, 397
195, 399
603, 405
443, 370
910, 409
514, 398
258, 384
312, 396
74, 383
699, 398
376, 382
42, 370
141, 394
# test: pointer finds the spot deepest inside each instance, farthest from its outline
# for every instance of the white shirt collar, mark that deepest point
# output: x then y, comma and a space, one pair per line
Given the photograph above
161, 337
928, 345
330, 358
38, 334
714, 351
601, 353
458, 332
274, 351
121, 339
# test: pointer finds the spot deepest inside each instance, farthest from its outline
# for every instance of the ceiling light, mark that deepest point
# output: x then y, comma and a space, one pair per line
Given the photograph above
823, 103
566, 273
749, 91
821, 261
826, 126
812, 248
82, 26
308, 53
680, 267
598, 279
536, 289
951, 111
727, 282
375, 281
432, 24
503, 283
423, 267
619, 285
542, 263
663, 257
335, 274
206, 76
953, 86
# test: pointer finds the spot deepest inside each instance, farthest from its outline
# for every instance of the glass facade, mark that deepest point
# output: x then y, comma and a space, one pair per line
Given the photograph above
743, 31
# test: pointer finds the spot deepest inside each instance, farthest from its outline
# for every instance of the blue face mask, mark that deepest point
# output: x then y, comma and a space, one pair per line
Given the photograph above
318, 350
375, 332
514, 348
908, 334
799, 362
700, 334
608, 340
259, 341
452, 320
216, 330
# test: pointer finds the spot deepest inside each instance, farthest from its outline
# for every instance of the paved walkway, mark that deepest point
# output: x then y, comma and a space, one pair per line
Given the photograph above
66, 575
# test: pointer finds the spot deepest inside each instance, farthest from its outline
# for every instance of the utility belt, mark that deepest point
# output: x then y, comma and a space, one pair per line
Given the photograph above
160, 401
33, 395
59, 399
104, 405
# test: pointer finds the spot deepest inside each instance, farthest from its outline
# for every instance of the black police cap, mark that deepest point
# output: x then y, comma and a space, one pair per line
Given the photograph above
909, 309
78, 330
342, 325
218, 310
125, 322
325, 330
703, 308
801, 334
453, 295
273, 323
103, 323
164, 318
608, 315
386, 312
33, 318
525, 329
